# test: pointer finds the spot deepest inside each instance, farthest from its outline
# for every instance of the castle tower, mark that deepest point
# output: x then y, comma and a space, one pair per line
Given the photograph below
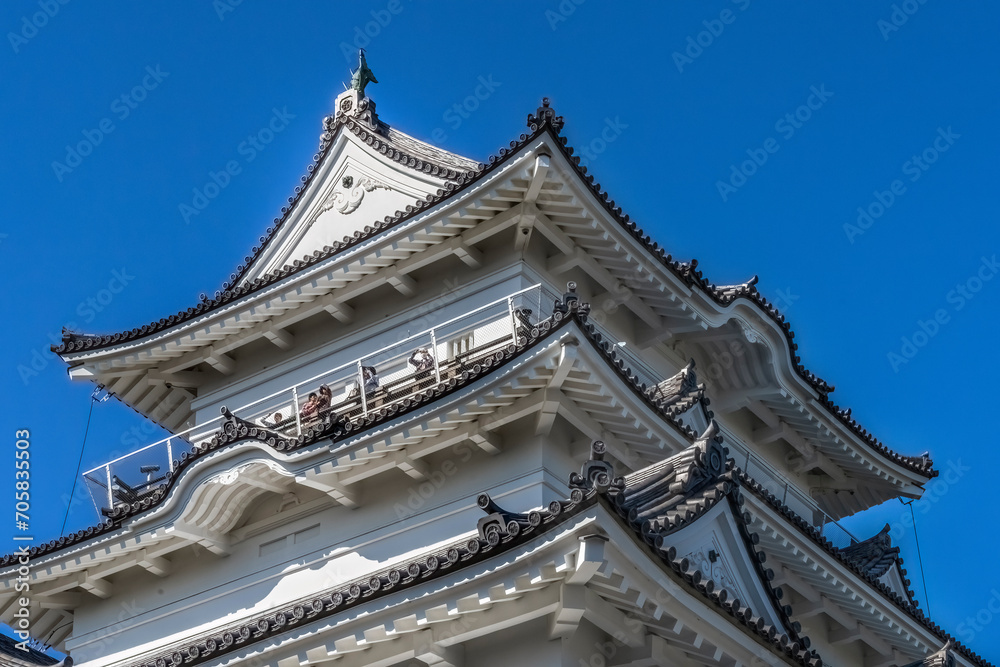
461, 413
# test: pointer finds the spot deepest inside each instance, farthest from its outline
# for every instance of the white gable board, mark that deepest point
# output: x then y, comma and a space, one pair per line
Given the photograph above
356, 185
714, 545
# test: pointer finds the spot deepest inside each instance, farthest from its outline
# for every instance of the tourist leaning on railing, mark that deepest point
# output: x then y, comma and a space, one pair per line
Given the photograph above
422, 360
310, 410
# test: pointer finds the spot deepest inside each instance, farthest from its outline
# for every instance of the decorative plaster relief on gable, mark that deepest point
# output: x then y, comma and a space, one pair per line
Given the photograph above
349, 196
716, 570
751, 334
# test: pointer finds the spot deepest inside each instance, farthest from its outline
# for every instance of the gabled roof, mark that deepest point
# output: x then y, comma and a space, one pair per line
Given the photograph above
670, 495
356, 114
543, 121
664, 497
873, 556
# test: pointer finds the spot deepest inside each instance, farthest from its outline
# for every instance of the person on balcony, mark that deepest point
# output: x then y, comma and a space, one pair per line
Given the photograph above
310, 411
370, 378
325, 398
422, 360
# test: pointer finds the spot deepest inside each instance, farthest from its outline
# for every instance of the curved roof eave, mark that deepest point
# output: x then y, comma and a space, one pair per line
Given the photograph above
543, 121
574, 311
908, 605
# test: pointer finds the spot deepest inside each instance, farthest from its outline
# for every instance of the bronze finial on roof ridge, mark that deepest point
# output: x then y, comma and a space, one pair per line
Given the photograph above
363, 75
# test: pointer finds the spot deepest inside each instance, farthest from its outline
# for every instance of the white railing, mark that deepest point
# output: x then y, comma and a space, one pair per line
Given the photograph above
391, 374
645, 373
789, 494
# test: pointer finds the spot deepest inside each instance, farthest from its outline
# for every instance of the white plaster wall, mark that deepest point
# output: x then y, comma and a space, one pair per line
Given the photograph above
398, 518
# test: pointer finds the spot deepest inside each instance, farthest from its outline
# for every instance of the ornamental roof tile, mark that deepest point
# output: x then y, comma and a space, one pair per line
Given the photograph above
942, 658
875, 555
680, 392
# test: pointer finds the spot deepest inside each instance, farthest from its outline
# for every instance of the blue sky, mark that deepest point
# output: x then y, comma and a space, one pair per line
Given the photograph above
846, 153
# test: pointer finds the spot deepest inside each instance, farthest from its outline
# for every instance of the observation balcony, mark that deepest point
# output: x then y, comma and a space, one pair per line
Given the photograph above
394, 373
349, 391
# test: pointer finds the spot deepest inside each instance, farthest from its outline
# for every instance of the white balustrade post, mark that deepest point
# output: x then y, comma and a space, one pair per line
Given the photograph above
170, 456
363, 390
295, 406
111, 498
434, 354
538, 308
513, 319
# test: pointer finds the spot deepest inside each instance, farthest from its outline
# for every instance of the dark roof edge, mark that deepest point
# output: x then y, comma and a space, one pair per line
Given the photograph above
907, 606
75, 342
689, 274
346, 596
543, 120
377, 139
